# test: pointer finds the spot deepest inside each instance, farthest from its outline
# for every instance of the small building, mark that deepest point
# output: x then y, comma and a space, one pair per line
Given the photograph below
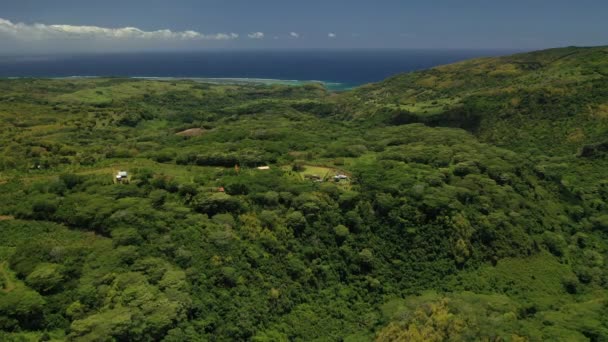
340, 177
122, 176
263, 167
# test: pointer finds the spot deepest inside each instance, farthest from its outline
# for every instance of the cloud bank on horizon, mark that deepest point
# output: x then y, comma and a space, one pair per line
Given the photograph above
43, 37
38, 37
38, 31
256, 35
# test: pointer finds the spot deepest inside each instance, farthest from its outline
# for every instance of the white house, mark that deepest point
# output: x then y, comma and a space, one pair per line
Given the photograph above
340, 177
122, 175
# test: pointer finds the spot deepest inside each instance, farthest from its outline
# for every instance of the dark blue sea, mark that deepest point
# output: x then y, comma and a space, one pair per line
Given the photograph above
340, 68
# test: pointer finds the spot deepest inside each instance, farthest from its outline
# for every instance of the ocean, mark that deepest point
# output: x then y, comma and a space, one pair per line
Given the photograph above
339, 69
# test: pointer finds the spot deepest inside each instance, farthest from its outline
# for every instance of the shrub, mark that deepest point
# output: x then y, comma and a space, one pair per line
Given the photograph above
45, 277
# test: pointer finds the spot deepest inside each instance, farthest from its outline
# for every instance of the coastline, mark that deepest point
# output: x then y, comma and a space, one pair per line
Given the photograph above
337, 70
334, 86
246, 80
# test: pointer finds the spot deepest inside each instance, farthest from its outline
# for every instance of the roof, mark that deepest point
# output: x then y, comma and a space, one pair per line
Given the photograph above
122, 173
264, 168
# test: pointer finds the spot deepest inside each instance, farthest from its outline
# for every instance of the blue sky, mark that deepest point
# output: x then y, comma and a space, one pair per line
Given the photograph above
85, 25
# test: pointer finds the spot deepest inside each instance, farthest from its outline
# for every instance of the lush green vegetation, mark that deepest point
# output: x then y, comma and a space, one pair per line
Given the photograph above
556, 98
474, 207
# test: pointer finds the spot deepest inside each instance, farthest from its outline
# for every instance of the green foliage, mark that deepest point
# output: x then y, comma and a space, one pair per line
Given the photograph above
482, 181
217, 203
460, 317
45, 277
553, 98
20, 307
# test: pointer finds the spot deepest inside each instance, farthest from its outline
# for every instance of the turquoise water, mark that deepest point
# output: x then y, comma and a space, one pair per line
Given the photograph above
335, 86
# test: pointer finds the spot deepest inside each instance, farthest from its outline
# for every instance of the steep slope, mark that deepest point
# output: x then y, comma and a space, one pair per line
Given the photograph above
556, 100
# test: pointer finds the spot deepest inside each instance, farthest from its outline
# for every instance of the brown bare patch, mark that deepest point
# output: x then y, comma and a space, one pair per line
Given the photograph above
601, 112
427, 82
6, 218
576, 136
505, 70
192, 132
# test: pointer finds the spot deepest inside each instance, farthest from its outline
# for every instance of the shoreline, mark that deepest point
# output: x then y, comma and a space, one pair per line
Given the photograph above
330, 85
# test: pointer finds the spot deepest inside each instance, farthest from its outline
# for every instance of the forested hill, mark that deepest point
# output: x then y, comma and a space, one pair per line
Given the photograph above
464, 203
553, 98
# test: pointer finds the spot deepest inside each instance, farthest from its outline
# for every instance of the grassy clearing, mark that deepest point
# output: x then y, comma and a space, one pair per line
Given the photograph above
435, 106
111, 167
6, 278
122, 91
322, 173
317, 171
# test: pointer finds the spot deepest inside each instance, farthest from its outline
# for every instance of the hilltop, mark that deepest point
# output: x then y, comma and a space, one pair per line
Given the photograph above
552, 99
465, 202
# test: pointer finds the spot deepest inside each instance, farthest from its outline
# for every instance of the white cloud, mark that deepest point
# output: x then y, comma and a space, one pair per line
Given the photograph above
331, 35
41, 32
256, 35
294, 35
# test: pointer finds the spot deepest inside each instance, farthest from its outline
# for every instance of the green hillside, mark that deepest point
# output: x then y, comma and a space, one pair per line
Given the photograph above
466, 202
553, 98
